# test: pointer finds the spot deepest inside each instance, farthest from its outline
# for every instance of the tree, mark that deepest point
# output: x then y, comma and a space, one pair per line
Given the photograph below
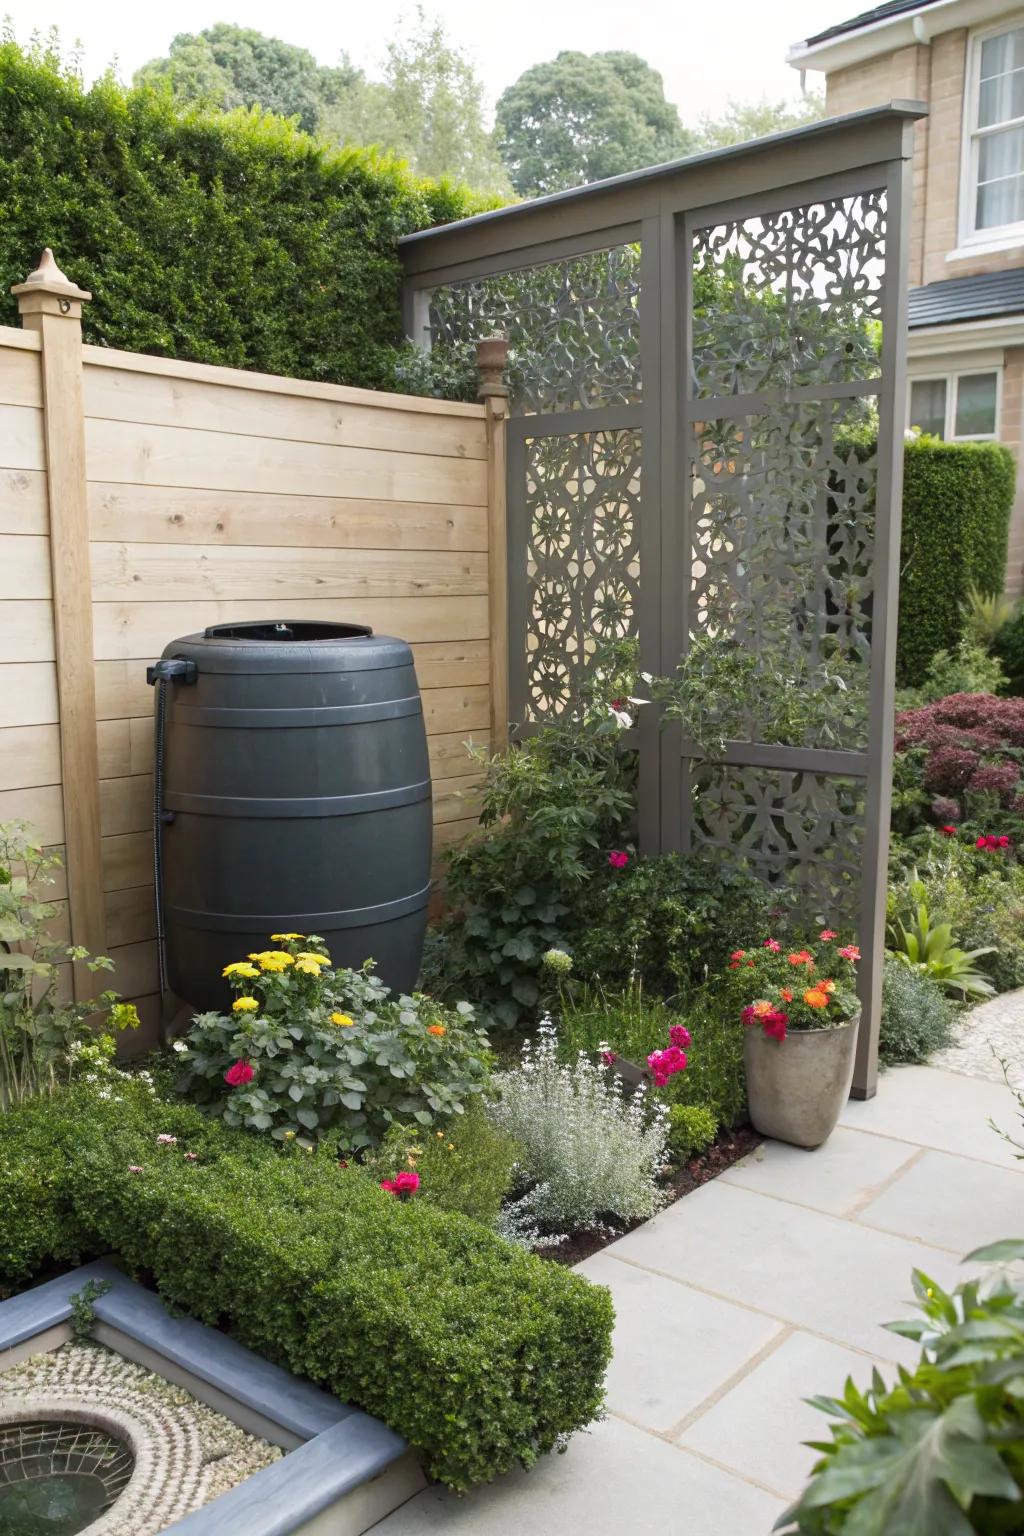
582, 117
227, 66
428, 110
744, 120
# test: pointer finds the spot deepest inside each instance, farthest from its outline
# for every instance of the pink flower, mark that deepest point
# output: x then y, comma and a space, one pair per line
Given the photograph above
407, 1182
773, 945
680, 1035
991, 842
774, 1025
167, 1141
664, 1064
136, 1168
851, 952
389, 1186
617, 859
191, 1157
948, 831
239, 1073
749, 1015
828, 933
609, 1058
737, 954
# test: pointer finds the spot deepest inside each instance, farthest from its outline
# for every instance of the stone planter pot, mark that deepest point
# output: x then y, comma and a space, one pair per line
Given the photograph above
796, 1088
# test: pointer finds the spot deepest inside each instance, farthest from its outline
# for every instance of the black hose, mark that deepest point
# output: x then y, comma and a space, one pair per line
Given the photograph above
170, 669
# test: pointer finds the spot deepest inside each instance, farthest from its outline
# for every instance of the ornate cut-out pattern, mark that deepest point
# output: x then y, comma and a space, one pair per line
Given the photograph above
782, 520
797, 829
789, 299
582, 564
572, 326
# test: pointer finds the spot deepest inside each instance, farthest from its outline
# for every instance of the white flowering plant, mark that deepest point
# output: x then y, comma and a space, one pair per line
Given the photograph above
592, 1147
307, 1050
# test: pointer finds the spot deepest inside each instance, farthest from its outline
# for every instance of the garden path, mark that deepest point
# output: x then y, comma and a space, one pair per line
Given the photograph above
985, 1034
749, 1295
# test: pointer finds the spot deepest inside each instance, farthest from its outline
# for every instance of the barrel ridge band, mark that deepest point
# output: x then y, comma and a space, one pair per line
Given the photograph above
300, 806
308, 922
292, 719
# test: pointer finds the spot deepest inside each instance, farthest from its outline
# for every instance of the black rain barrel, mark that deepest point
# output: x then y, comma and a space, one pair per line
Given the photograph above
295, 794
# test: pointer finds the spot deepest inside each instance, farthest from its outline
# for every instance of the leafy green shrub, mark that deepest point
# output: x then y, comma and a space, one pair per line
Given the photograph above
981, 894
968, 668
941, 1452
481, 1355
956, 514
922, 940
555, 806
309, 1051
467, 1167
1008, 648
691, 1128
588, 1149
223, 238
669, 921
917, 1016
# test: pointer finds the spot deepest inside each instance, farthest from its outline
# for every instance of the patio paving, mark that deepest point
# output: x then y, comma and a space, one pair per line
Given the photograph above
756, 1291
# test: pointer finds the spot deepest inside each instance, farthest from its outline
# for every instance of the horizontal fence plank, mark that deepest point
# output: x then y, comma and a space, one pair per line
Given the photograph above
24, 567
456, 709
20, 377
28, 692
29, 755
127, 860
456, 799
167, 514
449, 754
42, 806
155, 399
168, 573
446, 663
126, 804
23, 504
135, 968
26, 632
128, 630
226, 461
131, 914
237, 378
21, 438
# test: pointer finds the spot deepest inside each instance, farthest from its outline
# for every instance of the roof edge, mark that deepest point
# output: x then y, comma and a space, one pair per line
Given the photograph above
903, 29
908, 110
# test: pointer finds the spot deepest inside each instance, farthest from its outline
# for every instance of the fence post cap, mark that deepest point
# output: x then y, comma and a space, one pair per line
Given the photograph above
491, 357
49, 279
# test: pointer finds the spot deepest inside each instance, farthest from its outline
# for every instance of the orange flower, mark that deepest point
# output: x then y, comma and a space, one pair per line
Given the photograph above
826, 986
436, 1029
800, 957
786, 993
815, 998
762, 1007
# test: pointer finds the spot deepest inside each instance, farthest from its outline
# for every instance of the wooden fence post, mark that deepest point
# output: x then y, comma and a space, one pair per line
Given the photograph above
51, 305
491, 356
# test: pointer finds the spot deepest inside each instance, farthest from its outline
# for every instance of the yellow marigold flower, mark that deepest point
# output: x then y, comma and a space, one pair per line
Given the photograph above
314, 959
274, 960
289, 1135
306, 968
240, 968
244, 1005
286, 938
814, 997
436, 1029
342, 1019
451, 1146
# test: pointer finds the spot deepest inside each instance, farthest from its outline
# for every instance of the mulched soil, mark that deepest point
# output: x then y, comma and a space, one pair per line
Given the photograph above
727, 1148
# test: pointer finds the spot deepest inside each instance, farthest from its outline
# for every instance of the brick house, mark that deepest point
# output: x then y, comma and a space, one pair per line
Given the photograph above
965, 60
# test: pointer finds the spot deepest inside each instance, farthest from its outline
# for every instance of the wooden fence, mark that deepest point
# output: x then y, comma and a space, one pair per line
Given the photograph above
143, 498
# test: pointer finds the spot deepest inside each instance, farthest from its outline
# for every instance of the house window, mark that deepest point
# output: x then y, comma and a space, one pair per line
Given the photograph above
956, 405
993, 192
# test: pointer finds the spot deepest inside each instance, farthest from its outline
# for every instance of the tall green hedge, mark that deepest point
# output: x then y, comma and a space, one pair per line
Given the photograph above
482, 1355
222, 238
956, 515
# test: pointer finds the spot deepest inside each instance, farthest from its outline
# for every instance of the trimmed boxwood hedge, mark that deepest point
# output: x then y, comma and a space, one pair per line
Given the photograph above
221, 238
956, 516
480, 1354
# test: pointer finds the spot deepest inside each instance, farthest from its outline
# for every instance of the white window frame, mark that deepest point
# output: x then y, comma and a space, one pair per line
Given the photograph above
997, 236
952, 377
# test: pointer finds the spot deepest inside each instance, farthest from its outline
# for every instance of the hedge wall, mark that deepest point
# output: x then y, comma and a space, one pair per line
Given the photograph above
222, 238
957, 499
480, 1354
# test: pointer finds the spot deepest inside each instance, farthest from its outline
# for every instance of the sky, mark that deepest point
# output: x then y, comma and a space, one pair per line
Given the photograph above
708, 51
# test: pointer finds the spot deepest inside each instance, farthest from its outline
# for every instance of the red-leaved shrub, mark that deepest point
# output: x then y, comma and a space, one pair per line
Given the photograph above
970, 743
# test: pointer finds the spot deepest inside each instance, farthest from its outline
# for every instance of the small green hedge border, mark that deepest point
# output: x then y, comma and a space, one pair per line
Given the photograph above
481, 1355
957, 498
229, 238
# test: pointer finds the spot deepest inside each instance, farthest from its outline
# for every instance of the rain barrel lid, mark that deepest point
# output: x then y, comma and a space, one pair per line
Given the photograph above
287, 631
290, 645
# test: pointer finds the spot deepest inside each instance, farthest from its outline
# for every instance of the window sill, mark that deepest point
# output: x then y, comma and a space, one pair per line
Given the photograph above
971, 251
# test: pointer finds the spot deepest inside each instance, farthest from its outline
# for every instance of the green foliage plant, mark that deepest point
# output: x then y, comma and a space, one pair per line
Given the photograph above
44, 1037
917, 1015
986, 614
230, 238
968, 668
481, 1355
691, 1129
1008, 648
939, 1452
980, 892
308, 1051
466, 1167
920, 939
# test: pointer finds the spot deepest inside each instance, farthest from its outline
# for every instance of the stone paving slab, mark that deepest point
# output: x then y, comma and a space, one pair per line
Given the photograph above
616, 1481
837, 1178
816, 1271
951, 1202
928, 1107
758, 1427
984, 1034
673, 1346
